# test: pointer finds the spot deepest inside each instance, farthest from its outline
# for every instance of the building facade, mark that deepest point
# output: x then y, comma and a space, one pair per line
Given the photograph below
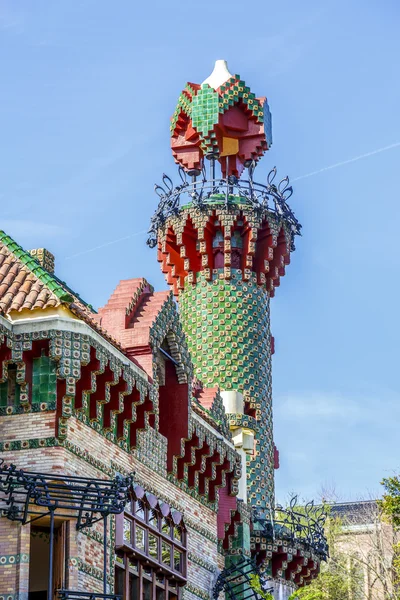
136, 441
368, 542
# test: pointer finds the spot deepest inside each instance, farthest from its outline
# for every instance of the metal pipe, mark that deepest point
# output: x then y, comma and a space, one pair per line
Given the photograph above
51, 552
105, 555
168, 356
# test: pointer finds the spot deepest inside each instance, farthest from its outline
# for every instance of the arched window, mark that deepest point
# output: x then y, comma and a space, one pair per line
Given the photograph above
218, 249
236, 250
150, 561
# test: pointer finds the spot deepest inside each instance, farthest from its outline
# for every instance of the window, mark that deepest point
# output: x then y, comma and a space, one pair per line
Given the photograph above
150, 561
9, 390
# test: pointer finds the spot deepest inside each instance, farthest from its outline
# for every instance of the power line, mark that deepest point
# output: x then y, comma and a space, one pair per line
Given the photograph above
334, 166
127, 237
346, 162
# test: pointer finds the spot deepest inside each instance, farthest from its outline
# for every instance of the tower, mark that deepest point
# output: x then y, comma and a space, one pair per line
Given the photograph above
223, 243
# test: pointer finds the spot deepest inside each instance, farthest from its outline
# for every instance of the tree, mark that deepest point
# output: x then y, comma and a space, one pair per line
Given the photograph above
255, 584
390, 503
364, 561
332, 582
390, 508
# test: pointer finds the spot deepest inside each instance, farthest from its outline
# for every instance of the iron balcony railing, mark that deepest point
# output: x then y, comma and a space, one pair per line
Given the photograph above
27, 496
301, 523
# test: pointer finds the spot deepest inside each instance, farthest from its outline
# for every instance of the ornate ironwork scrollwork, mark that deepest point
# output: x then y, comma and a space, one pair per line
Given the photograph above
89, 499
236, 581
201, 190
296, 522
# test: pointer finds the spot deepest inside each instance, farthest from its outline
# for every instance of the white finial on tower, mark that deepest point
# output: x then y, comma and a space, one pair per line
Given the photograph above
219, 75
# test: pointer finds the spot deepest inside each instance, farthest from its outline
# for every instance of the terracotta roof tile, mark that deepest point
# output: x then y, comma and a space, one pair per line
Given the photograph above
25, 284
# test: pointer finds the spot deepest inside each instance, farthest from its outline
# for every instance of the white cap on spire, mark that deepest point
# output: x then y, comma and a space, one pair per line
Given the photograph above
219, 75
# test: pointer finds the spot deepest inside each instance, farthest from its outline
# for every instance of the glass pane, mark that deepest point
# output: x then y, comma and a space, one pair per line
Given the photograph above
133, 564
119, 581
147, 571
139, 541
177, 560
153, 518
133, 587
119, 559
166, 553
160, 578
160, 594
146, 590
166, 527
153, 546
140, 510
127, 531
178, 534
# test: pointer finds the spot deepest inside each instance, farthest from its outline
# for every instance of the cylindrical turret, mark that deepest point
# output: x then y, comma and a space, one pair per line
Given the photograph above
223, 244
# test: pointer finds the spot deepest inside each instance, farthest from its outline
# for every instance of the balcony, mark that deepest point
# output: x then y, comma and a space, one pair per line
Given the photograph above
291, 540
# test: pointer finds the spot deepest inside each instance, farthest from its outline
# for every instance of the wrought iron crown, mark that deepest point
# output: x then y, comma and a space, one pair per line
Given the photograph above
304, 523
202, 191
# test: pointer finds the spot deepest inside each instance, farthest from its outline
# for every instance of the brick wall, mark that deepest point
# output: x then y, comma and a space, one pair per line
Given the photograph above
14, 558
29, 442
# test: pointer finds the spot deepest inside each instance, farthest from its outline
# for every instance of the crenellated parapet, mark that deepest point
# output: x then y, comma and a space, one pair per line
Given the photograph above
229, 237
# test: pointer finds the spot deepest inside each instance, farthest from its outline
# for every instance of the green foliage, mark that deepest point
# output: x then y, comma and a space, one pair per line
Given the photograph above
390, 503
255, 584
335, 581
390, 508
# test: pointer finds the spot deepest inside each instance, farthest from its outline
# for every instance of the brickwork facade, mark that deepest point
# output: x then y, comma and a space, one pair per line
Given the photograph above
84, 452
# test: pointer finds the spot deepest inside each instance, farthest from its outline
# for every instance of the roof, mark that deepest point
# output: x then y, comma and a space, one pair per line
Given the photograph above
354, 513
129, 316
25, 284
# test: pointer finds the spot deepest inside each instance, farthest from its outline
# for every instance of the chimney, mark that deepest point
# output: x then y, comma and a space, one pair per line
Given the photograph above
44, 258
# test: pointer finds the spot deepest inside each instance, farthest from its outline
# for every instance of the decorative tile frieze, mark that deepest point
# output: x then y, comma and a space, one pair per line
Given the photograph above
27, 408
196, 591
13, 559
202, 562
30, 444
88, 569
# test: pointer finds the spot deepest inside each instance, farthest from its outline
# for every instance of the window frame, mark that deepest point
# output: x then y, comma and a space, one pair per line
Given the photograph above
145, 512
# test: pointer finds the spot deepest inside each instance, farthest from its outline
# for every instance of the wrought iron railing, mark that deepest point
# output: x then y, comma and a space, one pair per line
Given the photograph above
202, 190
71, 595
240, 580
304, 523
27, 496
89, 499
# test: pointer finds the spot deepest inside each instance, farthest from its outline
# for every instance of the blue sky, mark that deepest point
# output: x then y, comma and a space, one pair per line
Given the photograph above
87, 91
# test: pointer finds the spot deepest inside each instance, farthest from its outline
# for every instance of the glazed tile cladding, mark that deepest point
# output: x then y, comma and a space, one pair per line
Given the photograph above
224, 121
228, 332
